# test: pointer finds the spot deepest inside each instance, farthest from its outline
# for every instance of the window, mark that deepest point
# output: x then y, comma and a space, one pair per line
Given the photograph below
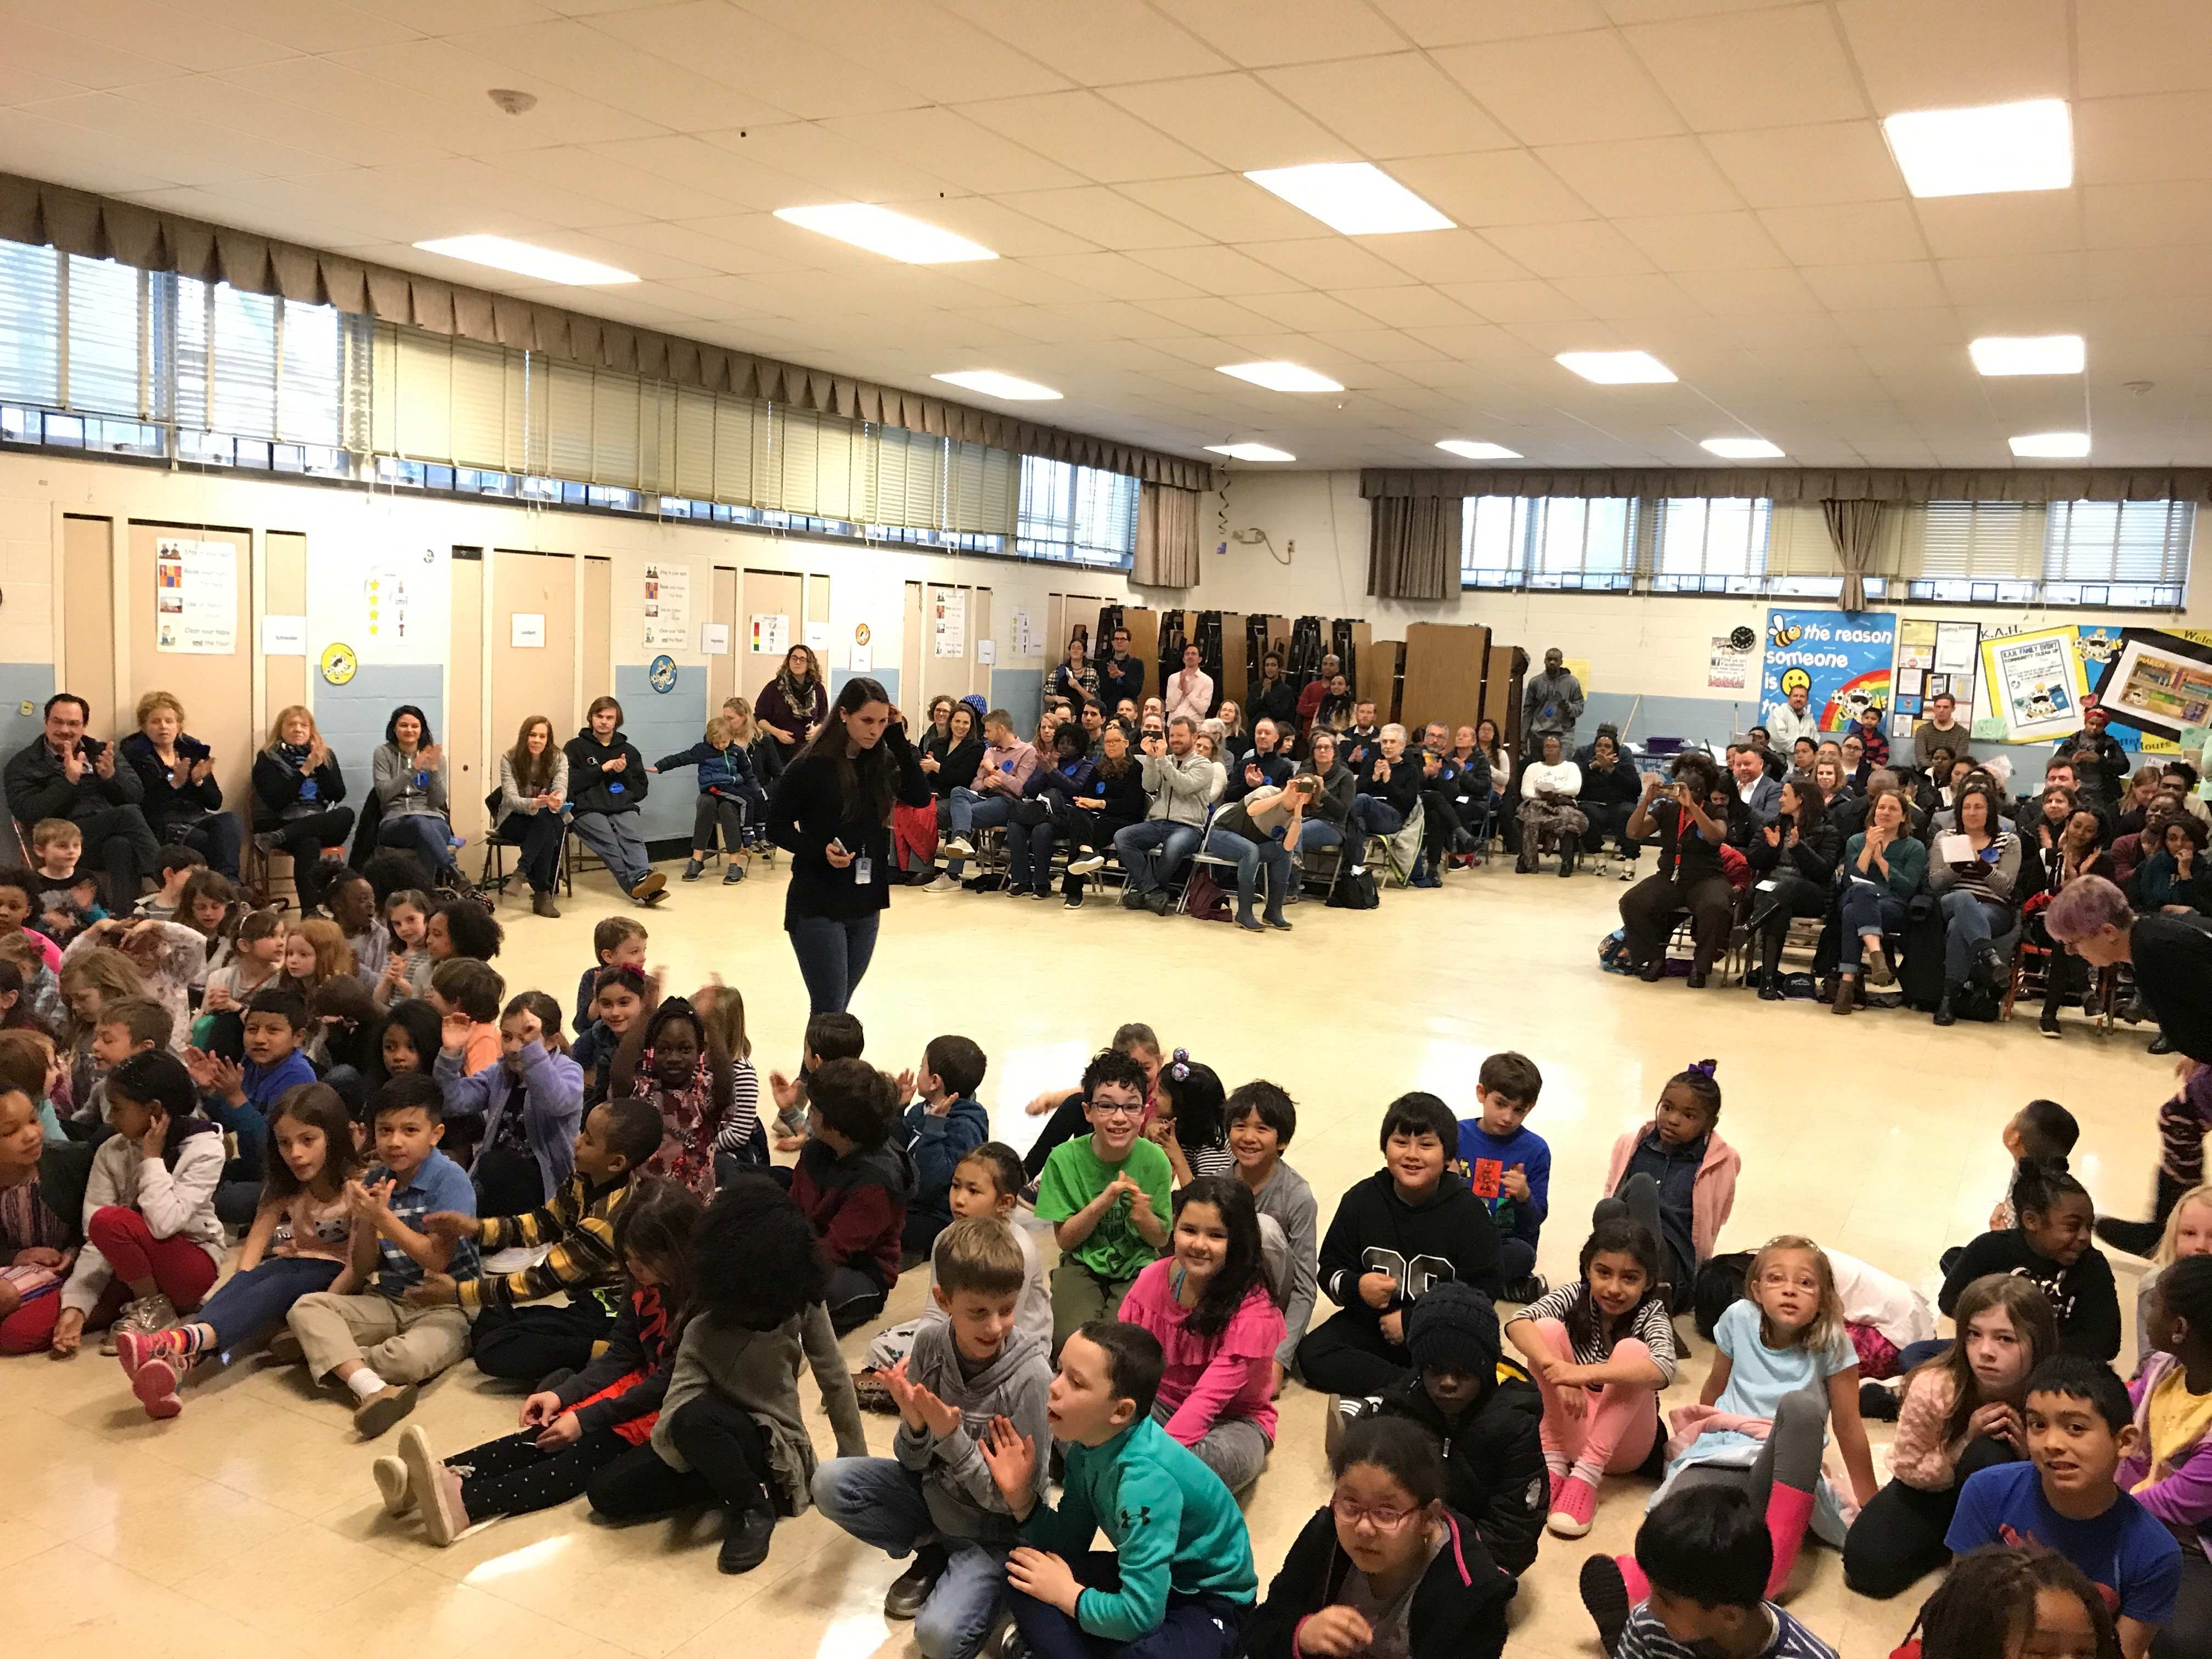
1077, 514
1716, 546
30, 317
1553, 542
2120, 554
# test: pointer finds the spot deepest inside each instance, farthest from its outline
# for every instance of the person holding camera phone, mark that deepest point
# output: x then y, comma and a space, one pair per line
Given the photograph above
1690, 875
1793, 863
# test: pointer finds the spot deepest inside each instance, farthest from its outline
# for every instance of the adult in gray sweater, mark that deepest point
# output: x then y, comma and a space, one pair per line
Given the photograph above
1184, 786
966, 1371
408, 772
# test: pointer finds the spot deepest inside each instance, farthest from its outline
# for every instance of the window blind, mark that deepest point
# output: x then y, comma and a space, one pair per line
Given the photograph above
477, 400
1720, 537
30, 324
1993, 540
106, 306
2118, 541
740, 438
981, 493
569, 426
617, 403
311, 373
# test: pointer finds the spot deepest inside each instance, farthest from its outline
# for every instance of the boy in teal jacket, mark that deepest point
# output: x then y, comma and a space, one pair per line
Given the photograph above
1178, 1583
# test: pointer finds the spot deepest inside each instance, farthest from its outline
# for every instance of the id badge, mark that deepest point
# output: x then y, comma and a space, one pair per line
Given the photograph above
863, 870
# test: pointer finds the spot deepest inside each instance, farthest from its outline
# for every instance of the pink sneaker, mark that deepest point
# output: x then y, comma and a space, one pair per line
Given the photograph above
1574, 1503
1558, 1481
134, 1348
154, 1382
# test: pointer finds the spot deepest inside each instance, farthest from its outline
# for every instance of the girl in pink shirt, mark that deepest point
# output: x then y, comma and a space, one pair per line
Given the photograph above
1218, 1328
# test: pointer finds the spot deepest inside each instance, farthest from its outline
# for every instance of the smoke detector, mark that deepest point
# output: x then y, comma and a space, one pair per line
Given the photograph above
512, 102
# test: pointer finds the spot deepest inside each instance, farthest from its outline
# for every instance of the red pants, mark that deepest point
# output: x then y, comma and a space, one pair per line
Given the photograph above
179, 1268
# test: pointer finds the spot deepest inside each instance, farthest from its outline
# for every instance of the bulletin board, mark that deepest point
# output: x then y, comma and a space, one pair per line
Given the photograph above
1933, 658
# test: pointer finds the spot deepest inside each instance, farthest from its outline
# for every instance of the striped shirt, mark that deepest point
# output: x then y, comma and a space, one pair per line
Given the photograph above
1648, 1324
1647, 1638
579, 1225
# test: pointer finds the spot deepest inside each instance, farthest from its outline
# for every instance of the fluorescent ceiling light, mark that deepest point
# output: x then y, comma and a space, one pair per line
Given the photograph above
1616, 368
1975, 152
992, 384
1281, 377
503, 253
1251, 453
1356, 197
2051, 446
881, 231
1743, 449
1474, 451
2035, 354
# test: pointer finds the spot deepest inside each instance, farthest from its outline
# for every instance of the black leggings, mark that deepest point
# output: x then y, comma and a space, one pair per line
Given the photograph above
513, 1476
305, 839
1899, 1537
522, 1345
1065, 1123
1348, 1353
728, 1452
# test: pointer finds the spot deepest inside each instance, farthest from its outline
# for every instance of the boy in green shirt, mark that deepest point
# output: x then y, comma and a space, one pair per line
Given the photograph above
1106, 1195
1179, 1579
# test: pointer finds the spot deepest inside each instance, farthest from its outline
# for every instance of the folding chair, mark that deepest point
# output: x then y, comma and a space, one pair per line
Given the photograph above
492, 882
1215, 861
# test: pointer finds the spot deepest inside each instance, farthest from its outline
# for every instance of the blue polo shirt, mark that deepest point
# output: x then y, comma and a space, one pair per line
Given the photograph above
440, 1184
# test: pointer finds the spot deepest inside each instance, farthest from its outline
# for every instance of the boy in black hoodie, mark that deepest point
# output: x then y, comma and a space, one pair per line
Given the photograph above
1411, 1224
1490, 1428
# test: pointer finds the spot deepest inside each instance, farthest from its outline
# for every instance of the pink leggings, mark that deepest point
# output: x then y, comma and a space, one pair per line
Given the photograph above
179, 1268
1614, 1433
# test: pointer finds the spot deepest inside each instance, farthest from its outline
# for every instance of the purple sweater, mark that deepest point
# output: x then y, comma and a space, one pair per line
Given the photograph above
2184, 1498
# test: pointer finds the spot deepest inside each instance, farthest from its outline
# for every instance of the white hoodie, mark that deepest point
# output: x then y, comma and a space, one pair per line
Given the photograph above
177, 1203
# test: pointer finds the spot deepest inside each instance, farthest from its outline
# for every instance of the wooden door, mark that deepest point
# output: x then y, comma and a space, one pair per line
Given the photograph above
216, 688
537, 678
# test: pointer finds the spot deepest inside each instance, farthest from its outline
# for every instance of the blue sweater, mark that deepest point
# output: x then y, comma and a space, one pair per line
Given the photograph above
1483, 1157
727, 771
249, 1123
937, 1144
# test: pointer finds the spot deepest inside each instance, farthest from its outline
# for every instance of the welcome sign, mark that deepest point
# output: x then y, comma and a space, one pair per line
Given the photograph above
1842, 659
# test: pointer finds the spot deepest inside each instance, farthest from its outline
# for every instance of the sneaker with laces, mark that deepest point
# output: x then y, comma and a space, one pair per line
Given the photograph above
393, 1486
380, 1410
958, 848
437, 1488
1087, 865
1573, 1505
1604, 1595
733, 875
1531, 1289
694, 868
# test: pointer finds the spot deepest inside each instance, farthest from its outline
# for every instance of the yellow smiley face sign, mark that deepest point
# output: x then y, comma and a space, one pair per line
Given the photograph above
339, 663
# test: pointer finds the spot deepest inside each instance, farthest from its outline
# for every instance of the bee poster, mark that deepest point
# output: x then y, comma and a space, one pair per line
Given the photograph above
2034, 683
1842, 659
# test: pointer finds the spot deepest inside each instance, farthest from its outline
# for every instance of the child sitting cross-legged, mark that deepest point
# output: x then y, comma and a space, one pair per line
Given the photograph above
153, 1245
41, 1209
371, 1338
1508, 1165
240, 1098
1601, 1350
296, 1246
1262, 1118
852, 1184
531, 1104
829, 1037
472, 989
1785, 1367
1387, 1565
934, 1498
2081, 1434
1106, 1194
618, 1006
1998, 1601
591, 1434
578, 1222
1208, 1305
617, 942
939, 1130
1706, 1560
2049, 1245
1677, 1176
1178, 1578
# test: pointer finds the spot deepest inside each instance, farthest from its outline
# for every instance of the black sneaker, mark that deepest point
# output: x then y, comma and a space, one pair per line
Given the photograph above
911, 1588
746, 1536
1524, 1291
1605, 1594
1879, 1402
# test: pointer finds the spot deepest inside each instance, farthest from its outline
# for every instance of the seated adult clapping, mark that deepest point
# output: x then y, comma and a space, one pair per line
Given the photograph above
1608, 798
1329, 819
1046, 811
1883, 867
1973, 870
533, 787
1755, 787
297, 787
1389, 784
1263, 766
1110, 802
1690, 875
1183, 786
1548, 791
64, 773
1000, 776
408, 773
184, 803
1797, 853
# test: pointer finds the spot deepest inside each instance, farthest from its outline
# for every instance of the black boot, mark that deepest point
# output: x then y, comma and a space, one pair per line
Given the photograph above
1567, 859
2141, 1237
747, 1530
1952, 991
1770, 969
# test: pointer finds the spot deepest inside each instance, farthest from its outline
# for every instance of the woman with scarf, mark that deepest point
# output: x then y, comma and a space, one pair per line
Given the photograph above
792, 706
297, 787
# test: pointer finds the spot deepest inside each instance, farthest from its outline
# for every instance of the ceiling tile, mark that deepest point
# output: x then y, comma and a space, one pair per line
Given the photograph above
948, 144
1329, 262
1588, 249
1114, 274
76, 61
1998, 278
1234, 120
338, 135
1018, 280
1212, 269
1103, 216
1563, 89
2040, 222
458, 16
317, 28
1631, 298
1749, 293
1392, 105
1514, 302
1255, 32
1641, 175
1454, 22
1847, 233
1098, 43
913, 42
2148, 216
1223, 205
1805, 166
2159, 273
185, 38
575, 55
616, 182
745, 52
1304, 311
1082, 132
835, 168
1444, 255
722, 175
1407, 307
1916, 56
2141, 46
1761, 69
1899, 284
1495, 187
177, 140
430, 87
1702, 241
999, 227
1208, 315
2129, 140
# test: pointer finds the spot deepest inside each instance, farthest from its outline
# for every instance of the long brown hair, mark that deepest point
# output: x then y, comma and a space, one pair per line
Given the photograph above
867, 782
2027, 1307
533, 774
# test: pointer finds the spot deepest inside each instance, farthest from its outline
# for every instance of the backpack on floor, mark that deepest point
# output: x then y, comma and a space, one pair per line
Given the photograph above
1206, 898
1355, 889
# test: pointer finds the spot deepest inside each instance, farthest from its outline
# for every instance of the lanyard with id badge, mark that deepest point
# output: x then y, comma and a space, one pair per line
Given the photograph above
863, 867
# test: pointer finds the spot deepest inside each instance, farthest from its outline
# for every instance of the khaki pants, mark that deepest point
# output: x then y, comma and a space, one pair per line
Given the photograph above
1079, 1296
401, 1344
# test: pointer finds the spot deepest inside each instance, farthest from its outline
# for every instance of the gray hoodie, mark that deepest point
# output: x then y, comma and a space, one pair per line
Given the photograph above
759, 1370
963, 1500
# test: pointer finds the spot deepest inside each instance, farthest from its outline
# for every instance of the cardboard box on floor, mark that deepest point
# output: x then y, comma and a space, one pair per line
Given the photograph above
1446, 665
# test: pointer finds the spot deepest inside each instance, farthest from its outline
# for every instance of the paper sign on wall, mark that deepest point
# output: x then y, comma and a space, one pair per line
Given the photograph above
283, 636
771, 633
527, 630
949, 610
713, 639
668, 607
2035, 684
1025, 635
817, 637
862, 659
987, 651
196, 596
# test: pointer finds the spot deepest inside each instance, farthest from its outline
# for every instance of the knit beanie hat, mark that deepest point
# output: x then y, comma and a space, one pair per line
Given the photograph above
1454, 1328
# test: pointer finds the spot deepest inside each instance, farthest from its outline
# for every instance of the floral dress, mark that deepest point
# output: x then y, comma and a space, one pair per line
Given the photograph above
689, 1121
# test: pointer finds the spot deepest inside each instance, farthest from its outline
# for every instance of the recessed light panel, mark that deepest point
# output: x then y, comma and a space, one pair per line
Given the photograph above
1474, 450
992, 384
1983, 150
2031, 354
1743, 449
2051, 446
881, 231
1617, 368
1251, 453
525, 260
1282, 377
1356, 197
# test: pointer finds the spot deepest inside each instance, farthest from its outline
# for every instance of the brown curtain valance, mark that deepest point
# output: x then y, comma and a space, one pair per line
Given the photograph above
97, 228
1805, 486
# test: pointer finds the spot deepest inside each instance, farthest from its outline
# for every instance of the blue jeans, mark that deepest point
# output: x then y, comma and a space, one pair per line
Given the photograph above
880, 1501
972, 811
249, 1302
1969, 923
1314, 834
1865, 911
1029, 848
1376, 815
833, 955
420, 832
1177, 842
613, 838
1251, 857
1191, 1626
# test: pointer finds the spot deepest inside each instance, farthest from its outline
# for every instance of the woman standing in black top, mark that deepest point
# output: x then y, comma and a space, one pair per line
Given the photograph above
1689, 878
832, 811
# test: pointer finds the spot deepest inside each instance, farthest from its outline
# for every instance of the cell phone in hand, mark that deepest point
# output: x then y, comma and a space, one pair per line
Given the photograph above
838, 846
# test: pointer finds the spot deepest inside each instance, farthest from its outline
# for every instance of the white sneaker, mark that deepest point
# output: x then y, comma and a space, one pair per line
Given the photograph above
941, 884
1086, 865
958, 848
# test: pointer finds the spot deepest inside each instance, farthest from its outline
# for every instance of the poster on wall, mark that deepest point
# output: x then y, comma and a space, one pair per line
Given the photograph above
771, 633
1026, 643
1843, 659
2035, 683
196, 596
949, 612
387, 600
1726, 667
1934, 658
668, 607
387, 597
2159, 683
